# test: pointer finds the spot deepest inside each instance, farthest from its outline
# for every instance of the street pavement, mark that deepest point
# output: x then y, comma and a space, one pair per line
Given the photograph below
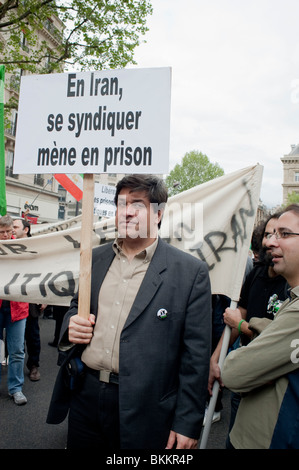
25, 427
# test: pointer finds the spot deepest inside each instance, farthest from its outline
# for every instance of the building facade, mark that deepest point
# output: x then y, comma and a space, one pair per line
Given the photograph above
37, 195
290, 172
40, 196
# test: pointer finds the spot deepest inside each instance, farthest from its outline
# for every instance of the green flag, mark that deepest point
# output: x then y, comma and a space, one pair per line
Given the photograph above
2, 147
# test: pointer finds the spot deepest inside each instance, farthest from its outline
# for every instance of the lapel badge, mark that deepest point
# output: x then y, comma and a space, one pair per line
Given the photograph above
162, 313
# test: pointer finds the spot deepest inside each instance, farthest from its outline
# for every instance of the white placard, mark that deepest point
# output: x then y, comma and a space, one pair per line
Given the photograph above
104, 200
115, 121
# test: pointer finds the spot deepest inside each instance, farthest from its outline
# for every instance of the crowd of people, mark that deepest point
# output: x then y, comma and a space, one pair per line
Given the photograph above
19, 325
135, 369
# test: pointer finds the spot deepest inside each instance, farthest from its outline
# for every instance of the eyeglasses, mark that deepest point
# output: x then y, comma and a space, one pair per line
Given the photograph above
5, 231
280, 234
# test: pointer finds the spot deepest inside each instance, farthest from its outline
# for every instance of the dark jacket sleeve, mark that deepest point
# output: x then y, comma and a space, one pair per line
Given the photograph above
194, 369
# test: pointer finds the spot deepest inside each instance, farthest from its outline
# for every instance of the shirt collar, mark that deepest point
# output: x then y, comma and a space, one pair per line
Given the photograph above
145, 254
293, 293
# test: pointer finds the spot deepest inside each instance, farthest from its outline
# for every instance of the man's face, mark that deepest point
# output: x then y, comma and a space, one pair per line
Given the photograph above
18, 229
285, 251
266, 255
6, 232
135, 216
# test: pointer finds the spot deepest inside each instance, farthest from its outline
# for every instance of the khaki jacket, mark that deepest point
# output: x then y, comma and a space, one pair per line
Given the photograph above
259, 372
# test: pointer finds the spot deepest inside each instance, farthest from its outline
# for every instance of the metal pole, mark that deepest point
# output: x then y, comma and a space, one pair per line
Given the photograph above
215, 391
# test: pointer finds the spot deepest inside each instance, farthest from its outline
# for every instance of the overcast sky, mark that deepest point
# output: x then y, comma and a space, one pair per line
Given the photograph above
235, 81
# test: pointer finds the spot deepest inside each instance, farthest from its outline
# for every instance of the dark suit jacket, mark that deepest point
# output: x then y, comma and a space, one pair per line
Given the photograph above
164, 363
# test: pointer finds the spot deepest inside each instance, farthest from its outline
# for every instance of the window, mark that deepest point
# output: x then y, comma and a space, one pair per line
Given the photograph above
297, 176
11, 130
23, 42
10, 155
9, 164
39, 180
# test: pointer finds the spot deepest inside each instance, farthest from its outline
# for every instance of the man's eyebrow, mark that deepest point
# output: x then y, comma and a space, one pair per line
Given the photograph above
140, 198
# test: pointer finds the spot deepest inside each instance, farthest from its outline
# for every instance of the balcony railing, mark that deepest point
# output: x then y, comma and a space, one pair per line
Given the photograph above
48, 25
9, 172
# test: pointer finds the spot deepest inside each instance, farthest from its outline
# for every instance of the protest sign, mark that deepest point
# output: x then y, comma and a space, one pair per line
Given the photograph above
104, 205
212, 222
114, 121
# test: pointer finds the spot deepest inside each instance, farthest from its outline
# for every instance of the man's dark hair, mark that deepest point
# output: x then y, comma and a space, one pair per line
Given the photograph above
257, 236
292, 208
26, 224
154, 187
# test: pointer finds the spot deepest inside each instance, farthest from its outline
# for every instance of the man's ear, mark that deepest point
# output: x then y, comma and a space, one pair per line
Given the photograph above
160, 214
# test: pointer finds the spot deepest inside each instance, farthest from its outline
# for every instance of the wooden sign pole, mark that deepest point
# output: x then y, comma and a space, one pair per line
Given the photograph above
86, 246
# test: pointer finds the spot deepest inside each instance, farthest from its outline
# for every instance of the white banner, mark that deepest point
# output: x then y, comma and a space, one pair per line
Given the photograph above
213, 221
38, 229
115, 121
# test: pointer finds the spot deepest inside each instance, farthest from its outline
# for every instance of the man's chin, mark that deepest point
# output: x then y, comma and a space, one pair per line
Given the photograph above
277, 266
128, 234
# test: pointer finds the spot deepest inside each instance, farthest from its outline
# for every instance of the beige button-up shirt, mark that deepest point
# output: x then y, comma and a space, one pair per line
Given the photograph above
116, 298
